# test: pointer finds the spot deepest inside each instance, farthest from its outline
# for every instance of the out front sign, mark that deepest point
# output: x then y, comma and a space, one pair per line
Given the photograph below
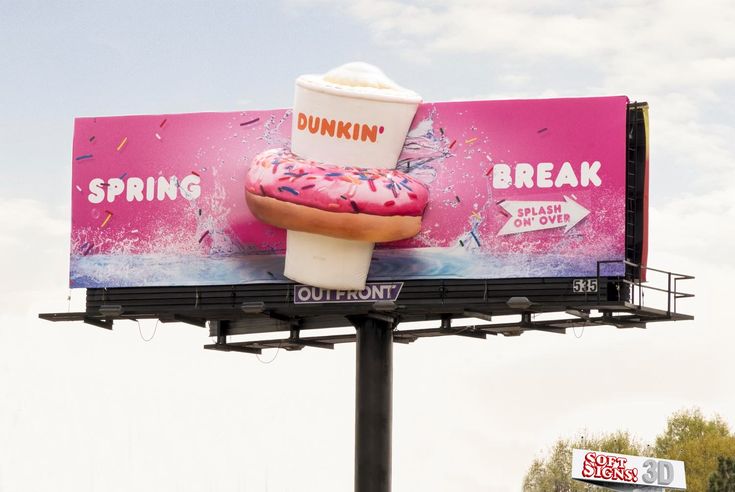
627, 473
531, 188
373, 292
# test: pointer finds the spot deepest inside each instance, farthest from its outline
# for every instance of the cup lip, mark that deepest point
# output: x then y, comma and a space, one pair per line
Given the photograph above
318, 84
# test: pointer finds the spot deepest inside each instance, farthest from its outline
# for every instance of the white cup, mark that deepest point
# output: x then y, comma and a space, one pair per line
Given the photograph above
350, 126
347, 126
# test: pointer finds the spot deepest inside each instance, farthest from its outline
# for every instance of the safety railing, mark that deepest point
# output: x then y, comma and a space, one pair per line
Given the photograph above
633, 289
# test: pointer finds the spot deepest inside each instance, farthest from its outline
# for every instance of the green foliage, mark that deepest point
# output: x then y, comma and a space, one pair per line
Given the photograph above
554, 474
698, 442
723, 480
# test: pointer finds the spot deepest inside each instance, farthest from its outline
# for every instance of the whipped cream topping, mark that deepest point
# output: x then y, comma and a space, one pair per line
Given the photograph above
360, 74
361, 80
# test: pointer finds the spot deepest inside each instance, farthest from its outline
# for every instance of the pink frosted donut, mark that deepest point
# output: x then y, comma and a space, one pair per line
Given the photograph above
374, 205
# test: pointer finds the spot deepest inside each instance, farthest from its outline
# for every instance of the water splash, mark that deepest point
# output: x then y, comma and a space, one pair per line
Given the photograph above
273, 135
424, 148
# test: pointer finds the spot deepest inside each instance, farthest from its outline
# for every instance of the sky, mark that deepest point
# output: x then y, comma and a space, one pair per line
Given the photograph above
84, 409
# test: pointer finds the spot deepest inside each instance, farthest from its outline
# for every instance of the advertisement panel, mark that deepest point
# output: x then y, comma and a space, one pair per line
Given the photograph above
625, 472
517, 188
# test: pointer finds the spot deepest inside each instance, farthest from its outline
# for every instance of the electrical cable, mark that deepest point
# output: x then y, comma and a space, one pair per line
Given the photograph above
155, 328
574, 330
274, 357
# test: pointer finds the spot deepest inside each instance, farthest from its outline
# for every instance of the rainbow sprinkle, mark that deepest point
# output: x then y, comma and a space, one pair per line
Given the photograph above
250, 122
542, 130
452, 144
158, 136
107, 219
201, 238
163, 123
82, 157
470, 140
122, 144
86, 248
287, 189
91, 139
475, 238
79, 188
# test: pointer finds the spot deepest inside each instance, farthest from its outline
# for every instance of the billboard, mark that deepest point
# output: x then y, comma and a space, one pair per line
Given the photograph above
517, 189
625, 472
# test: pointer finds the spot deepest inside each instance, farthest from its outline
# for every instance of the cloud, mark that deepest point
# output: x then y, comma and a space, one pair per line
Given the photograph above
34, 258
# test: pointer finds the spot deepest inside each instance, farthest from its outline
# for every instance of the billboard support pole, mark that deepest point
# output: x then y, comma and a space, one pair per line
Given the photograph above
373, 404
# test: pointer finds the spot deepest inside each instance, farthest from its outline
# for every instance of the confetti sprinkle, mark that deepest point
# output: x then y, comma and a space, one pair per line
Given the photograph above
461, 243
287, 189
452, 144
372, 185
107, 219
354, 206
489, 171
542, 130
195, 174
441, 130
158, 136
201, 238
122, 144
91, 139
82, 157
457, 198
163, 123
308, 187
470, 140
475, 238
199, 211
86, 248
123, 175
250, 122
79, 188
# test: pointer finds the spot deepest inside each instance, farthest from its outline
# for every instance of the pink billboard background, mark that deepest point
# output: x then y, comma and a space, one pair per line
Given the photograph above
524, 188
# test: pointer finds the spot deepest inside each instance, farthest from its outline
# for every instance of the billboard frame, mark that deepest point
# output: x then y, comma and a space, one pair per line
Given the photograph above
232, 310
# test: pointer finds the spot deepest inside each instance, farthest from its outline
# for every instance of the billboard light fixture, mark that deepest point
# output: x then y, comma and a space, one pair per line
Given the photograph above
110, 310
519, 302
252, 307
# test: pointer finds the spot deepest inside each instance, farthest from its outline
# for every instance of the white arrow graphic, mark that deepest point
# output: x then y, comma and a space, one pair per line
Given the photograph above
539, 215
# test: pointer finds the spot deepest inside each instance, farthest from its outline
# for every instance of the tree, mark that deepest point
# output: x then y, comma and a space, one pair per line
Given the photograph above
554, 474
723, 480
698, 442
